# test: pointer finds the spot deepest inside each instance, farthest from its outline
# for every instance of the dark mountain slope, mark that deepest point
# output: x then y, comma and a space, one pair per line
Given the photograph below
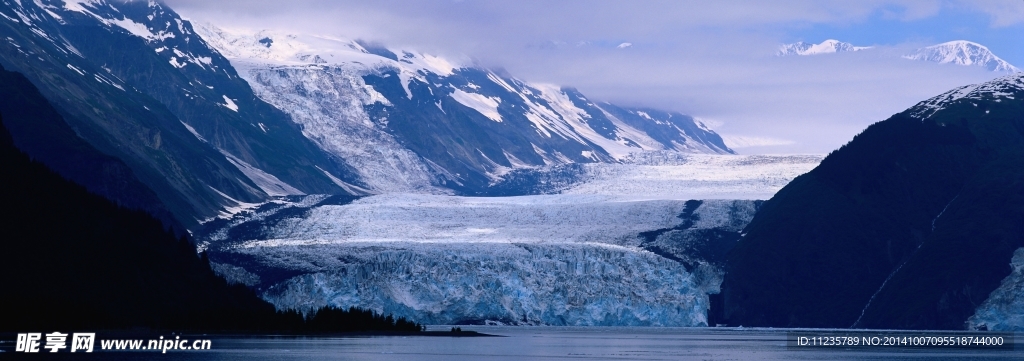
132, 82
76, 261
39, 130
912, 224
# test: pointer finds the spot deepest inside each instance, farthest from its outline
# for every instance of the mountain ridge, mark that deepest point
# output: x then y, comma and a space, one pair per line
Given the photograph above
480, 123
957, 52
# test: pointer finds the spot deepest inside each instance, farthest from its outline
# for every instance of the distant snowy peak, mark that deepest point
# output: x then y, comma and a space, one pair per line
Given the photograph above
959, 52
962, 52
826, 47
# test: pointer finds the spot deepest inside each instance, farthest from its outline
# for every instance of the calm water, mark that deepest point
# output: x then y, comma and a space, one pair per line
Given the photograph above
549, 343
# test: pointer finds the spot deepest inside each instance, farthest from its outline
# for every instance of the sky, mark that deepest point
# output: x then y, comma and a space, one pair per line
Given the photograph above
714, 60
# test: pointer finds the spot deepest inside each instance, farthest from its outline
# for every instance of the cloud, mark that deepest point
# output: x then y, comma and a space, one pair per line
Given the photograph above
742, 141
711, 59
1003, 13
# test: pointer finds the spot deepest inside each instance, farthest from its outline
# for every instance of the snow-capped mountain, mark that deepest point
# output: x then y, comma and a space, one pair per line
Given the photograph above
826, 47
134, 81
409, 121
1004, 88
962, 52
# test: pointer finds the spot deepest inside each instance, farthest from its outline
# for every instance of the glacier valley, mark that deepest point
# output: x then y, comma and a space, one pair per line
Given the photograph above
597, 252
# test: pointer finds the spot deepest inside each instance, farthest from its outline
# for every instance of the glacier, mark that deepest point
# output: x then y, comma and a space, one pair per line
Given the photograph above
1004, 308
532, 260
670, 175
583, 284
328, 102
595, 254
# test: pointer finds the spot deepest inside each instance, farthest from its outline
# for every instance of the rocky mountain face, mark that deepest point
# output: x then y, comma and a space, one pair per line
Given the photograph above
912, 225
410, 121
132, 80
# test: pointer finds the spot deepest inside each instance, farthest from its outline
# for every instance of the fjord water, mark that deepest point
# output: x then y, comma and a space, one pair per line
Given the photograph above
560, 343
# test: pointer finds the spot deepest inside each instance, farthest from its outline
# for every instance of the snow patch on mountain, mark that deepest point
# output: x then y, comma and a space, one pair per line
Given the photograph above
485, 105
962, 52
80, 5
87, 7
567, 112
230, 104
135, 28
267, 182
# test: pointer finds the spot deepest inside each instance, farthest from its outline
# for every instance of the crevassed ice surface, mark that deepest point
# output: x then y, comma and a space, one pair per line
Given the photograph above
561, 259
512, 283
448, 219
664, 175
550, 259
1004, 308
328, 102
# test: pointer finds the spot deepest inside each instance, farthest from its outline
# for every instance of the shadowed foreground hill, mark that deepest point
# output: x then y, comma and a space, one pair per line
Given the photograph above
73, 260
910, 225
